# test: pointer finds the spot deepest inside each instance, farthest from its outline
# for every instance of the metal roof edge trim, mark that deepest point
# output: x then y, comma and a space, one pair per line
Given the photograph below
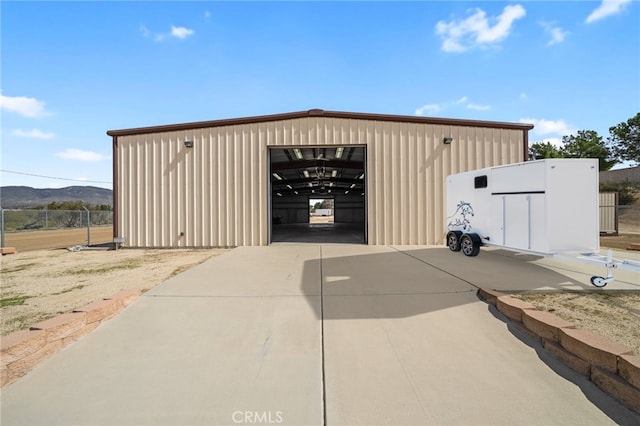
319, 113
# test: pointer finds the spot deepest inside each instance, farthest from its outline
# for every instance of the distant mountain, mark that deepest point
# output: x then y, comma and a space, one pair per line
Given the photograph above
12, 197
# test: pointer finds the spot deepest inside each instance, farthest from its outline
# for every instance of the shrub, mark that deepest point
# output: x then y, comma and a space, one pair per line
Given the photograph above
626, 192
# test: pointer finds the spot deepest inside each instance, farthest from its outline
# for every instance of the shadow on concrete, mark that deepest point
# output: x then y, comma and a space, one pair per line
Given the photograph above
608, 405
397, 282
321, 233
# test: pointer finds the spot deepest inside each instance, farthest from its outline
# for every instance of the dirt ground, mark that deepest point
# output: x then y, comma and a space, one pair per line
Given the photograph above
620, 241
615, 316
37, 285
321, 219
57, 238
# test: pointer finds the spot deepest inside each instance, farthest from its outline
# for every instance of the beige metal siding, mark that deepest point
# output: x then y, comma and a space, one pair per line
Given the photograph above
216, 193
608, 212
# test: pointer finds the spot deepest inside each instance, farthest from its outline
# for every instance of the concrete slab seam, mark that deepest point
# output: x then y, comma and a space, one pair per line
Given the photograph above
436, 267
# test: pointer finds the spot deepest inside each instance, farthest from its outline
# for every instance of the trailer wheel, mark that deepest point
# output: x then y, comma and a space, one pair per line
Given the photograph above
453, 240
470, 244
598, 281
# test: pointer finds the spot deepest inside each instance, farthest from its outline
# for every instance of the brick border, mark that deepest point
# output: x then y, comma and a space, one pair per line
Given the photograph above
612, 367
23, 350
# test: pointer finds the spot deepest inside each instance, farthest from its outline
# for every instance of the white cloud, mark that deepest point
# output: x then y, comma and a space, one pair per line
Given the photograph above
428, 109
557, 142
607, 8
28, 107
207, 14
79, 155
549, 127
475, 30
181, 32
176, 32
478, 107
523, 95
433, 108
33, 133
556, 33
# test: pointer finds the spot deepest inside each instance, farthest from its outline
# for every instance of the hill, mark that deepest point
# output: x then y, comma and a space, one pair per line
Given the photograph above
12, 197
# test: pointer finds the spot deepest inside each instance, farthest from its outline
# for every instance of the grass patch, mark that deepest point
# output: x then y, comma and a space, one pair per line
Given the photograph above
127, 264
17, 268
13, 301
68, 290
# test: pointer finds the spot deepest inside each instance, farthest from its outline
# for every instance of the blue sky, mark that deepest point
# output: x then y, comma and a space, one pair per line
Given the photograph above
70, 71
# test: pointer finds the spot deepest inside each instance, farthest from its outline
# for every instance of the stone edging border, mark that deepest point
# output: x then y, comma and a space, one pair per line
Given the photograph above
23, 350
611, 366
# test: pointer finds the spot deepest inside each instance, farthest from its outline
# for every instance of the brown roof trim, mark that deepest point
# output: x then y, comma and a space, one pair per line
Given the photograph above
320, 113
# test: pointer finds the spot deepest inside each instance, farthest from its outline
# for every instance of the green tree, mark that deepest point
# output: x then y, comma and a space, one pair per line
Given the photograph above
66, 205
541, 150
588, 144
624, 141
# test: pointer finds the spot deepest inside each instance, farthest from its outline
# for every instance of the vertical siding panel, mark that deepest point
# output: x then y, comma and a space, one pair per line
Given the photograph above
413, 159
149, 193
169, 207
429, 159
222, 187
159, 189
387, 181
198, 213
214, 170
377, 175
137, 198
419, 192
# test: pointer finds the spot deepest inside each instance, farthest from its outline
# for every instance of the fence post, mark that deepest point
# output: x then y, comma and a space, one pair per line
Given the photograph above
88, 226
2, 227
46, 218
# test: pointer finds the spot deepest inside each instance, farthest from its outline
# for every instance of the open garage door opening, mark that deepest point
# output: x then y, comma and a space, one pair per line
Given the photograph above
318, 194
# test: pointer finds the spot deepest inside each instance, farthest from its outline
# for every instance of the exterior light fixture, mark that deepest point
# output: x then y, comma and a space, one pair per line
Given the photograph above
313, 191
329, 191
277, 176
305, 173
447, 140
188, 144
334, 173
362, 193
298, 153
339, 152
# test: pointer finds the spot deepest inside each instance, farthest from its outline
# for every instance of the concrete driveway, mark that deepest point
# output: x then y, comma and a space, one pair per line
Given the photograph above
319, 334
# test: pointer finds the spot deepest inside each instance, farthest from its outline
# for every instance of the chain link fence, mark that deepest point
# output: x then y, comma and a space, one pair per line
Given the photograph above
16, 222
30, 220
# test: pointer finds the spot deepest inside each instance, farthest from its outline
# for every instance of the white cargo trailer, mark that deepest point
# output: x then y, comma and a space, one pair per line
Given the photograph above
549, 207
322, 212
